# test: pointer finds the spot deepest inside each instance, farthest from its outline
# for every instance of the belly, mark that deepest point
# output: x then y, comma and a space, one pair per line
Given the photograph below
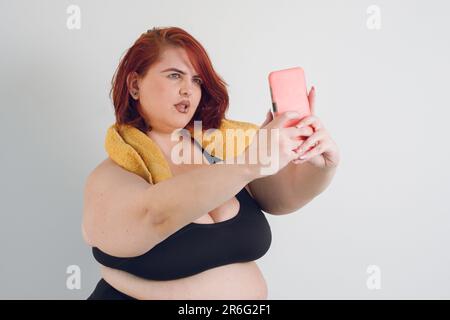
240, 281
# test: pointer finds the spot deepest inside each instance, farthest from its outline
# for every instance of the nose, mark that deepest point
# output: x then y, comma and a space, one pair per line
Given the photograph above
185, 92
186, 89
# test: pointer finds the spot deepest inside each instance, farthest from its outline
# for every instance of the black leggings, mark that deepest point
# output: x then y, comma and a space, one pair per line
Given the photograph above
104, 291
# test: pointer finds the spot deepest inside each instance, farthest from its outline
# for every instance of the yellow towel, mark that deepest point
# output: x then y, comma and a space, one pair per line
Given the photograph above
134, 151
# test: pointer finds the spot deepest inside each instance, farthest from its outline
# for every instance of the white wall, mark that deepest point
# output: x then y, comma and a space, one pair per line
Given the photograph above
383, 95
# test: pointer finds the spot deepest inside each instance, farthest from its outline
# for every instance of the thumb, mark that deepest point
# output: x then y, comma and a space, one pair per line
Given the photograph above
269, 118
286, 117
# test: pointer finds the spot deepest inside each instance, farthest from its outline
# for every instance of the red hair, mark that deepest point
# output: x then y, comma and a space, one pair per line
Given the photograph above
145, 52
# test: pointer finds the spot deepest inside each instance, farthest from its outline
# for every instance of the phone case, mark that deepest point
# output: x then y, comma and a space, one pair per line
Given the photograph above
288, 92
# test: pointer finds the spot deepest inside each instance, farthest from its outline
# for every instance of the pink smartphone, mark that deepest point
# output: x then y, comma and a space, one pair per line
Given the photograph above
288, 92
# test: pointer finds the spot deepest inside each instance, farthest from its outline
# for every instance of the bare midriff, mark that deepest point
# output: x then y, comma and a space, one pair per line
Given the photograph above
241, 281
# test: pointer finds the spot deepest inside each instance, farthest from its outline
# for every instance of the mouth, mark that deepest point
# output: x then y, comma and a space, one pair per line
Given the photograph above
182, 107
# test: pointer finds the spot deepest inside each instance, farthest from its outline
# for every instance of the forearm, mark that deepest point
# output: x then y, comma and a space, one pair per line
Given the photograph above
308, 181
188, 196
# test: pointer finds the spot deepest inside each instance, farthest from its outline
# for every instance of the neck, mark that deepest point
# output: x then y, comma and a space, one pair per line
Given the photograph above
163, 140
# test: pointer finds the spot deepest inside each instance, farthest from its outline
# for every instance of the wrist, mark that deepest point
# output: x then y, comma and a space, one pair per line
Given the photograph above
250, 170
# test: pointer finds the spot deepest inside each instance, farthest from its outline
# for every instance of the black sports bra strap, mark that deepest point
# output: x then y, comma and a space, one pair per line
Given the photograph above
211, 159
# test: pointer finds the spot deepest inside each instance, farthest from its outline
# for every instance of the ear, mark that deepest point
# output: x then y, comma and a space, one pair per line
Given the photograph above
133, 83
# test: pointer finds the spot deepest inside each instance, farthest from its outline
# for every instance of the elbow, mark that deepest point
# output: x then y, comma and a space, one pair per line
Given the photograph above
153, 212
286, 208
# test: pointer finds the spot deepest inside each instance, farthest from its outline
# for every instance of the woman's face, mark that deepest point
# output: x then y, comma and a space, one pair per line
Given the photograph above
163, 87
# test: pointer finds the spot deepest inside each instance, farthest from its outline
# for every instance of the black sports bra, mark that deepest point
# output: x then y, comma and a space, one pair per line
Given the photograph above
197, 247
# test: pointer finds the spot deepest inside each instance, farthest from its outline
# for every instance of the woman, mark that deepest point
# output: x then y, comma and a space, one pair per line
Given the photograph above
196, 235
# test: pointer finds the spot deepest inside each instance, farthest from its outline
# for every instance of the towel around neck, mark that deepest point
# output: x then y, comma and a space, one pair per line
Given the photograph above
136, 152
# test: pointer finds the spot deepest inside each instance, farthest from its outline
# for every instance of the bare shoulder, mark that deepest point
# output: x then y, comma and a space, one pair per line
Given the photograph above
115, 211
108, 172
109, 177
105, 169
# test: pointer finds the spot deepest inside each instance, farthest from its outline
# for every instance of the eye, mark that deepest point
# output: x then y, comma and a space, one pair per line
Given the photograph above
199, 81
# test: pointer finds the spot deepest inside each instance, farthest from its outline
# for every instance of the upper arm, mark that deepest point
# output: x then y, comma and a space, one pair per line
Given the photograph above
266, 200
275, 193
115, 212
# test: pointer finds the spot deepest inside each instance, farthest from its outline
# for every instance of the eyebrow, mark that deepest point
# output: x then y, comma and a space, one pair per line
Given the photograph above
177, 70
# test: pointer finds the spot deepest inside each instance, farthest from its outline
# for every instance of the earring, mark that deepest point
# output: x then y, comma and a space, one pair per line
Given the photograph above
135, 94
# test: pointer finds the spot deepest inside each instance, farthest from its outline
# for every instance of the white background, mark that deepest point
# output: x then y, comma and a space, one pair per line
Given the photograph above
382, 94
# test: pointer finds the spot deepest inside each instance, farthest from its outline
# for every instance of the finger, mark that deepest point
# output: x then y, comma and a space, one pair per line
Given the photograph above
306, 131
317, 150
282, 119
268, 119
312, 99
297, 147
293, 156
299, 132
295, 144
310, 120
310, 142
